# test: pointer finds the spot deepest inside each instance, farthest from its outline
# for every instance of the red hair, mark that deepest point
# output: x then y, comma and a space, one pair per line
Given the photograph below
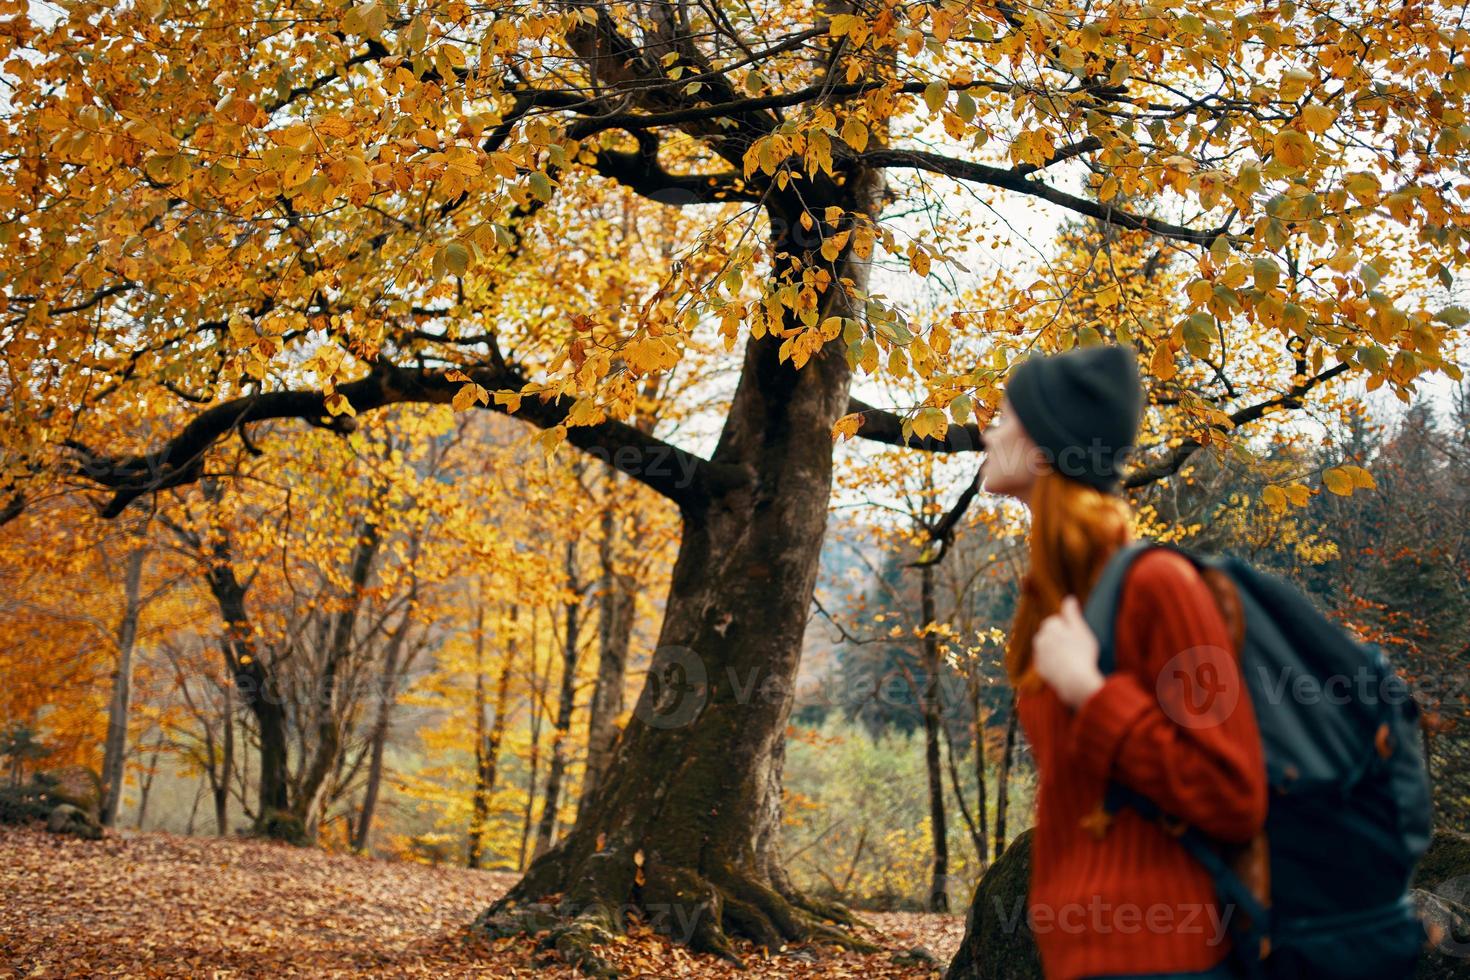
1074, 529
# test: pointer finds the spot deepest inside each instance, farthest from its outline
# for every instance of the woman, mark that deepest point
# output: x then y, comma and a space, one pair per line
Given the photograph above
1115, 895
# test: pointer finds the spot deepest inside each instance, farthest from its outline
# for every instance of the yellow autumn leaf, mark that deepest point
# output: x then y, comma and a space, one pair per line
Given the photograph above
1293, 148
962, 409
1362, 185
1298, 493
931, 423
337, 404
585, 412
468, 395
1294, 83
1162, 365
1338, 481
297, 172
1319, 118
456, 258
935, 95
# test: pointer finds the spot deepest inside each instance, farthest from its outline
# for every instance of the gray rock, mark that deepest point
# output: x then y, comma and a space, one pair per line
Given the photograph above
998, 943
917, 956
76, 785
1448, 925
67, 819
1448, 857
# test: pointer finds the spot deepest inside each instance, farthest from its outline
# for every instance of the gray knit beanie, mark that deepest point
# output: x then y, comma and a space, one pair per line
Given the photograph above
1082, 407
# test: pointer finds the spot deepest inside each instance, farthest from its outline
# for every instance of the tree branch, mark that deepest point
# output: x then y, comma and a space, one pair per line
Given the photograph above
1016, 179
12, 508
943, 532
885, 427
683, 477
819, 93
1171, 462
641, 171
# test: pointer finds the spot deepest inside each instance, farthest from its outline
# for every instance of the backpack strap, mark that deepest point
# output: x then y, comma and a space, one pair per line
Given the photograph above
1101, 613
1101, 608
1251, 942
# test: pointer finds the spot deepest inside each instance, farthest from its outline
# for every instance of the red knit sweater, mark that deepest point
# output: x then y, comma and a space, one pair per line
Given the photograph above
1175, 723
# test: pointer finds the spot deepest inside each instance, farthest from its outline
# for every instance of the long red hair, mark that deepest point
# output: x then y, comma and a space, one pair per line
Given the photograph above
1074, 529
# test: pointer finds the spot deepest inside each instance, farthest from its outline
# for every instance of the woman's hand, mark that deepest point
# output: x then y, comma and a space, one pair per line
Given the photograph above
1064, 654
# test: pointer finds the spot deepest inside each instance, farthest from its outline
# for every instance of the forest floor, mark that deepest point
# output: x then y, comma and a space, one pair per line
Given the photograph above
159, 905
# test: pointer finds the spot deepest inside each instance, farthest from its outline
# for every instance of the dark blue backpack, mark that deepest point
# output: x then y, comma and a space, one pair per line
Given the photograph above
1349, 808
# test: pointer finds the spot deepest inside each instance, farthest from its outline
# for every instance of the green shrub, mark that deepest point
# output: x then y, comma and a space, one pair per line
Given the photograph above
857, 817
25, 804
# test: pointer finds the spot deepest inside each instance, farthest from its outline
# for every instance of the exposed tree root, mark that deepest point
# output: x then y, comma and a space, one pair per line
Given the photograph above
574, 911
823, 909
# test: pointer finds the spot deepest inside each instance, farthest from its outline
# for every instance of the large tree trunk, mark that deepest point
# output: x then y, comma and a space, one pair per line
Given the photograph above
938, 900
115, 750
685, 824
272, 798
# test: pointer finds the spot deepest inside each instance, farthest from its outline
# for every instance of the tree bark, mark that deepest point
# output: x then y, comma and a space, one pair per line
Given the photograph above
938, 899
220, 788
565, 703
685, 824
252, 678
256, 685
616, 602
387, 692
538, 701
316, 783
982, 811
1003, 782
114, 755
487, 747
147, 788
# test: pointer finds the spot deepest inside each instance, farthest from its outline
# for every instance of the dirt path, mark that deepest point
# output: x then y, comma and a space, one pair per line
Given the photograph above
157, 905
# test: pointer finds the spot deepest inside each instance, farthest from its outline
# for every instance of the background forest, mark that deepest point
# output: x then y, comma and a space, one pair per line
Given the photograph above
432, 571
541, 438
